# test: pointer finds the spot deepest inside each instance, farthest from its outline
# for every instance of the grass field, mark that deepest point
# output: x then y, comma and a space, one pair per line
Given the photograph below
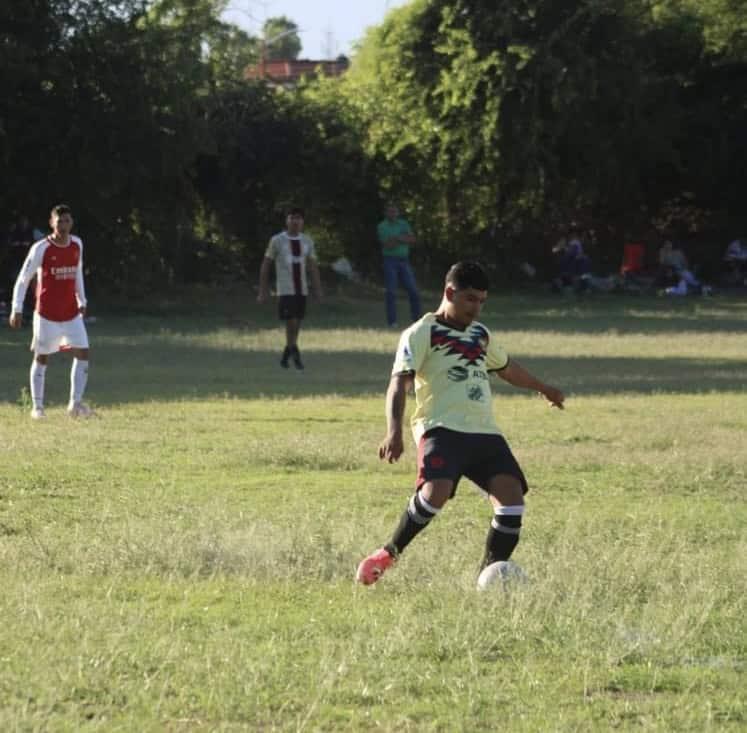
184, 561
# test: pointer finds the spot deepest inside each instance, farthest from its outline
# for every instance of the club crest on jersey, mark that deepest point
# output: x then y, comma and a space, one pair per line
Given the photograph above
470, 348
475, 393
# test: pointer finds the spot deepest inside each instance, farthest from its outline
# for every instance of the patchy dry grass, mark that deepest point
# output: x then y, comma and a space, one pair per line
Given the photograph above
184, 561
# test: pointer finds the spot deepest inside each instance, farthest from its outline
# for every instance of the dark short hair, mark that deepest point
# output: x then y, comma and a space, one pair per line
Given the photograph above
464, 275
61, 209
295, 211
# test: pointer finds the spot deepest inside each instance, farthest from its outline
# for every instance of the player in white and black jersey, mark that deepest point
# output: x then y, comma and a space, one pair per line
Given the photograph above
293, 254
447, 357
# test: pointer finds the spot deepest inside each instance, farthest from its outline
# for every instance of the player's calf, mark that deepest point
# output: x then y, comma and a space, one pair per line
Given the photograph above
414, 520
503, 535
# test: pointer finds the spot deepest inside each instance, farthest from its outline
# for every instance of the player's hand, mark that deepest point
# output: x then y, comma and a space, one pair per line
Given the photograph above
261, 297
15, 320
82, 311
391, 448
554, 396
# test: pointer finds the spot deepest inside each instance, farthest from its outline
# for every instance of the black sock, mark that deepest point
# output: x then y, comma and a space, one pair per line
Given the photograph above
503, 536
414, 520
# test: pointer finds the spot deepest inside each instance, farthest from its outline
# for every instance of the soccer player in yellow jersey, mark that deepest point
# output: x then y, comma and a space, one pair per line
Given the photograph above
448, 356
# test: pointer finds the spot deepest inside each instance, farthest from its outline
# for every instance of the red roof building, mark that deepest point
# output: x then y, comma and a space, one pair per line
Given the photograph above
288, 72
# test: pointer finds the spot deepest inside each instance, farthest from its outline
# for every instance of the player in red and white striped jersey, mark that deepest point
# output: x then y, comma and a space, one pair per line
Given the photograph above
57, 263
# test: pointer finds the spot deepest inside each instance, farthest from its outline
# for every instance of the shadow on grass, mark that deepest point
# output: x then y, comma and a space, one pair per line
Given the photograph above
525, 312
132, 363
167, 371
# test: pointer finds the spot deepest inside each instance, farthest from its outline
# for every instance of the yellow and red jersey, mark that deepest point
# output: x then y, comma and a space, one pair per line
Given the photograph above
451, 368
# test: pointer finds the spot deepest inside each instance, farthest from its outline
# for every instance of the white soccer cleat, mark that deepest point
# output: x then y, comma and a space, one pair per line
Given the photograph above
38, 413
79, 409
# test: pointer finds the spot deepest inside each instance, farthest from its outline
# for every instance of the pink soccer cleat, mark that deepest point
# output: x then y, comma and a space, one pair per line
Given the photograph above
373, 567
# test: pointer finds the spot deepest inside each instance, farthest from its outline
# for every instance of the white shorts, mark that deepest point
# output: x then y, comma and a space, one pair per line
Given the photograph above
53, 336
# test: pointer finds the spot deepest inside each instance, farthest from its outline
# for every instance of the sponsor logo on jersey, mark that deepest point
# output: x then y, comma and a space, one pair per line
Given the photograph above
458, 373
470, 348
63, 273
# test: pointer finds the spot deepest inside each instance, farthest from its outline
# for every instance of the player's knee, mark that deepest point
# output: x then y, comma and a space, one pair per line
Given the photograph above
436, 493
507, 490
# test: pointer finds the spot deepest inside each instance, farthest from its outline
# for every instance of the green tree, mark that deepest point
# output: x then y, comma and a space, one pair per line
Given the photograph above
280, 34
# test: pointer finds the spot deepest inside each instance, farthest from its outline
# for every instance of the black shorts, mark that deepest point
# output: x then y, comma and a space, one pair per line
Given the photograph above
448, 454
291, 307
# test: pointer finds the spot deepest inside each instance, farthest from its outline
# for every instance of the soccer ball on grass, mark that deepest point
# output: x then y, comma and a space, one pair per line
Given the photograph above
504, 574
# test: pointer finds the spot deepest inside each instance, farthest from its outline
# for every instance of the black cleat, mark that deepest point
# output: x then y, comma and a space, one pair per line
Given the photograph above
285, 357
296, 355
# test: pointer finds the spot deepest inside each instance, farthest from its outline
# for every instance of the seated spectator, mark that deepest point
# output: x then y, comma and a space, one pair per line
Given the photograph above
634, 259
688, 284
684, 281
736, 262
672, 262
574, 267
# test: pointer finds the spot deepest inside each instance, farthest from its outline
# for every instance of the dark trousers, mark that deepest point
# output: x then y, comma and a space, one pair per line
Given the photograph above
397, 271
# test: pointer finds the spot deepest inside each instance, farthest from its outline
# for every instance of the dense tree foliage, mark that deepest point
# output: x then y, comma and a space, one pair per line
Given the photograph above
494, 119
491, 123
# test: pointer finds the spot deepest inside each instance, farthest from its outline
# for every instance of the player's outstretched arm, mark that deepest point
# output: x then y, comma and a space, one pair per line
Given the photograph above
392, 447
516, 375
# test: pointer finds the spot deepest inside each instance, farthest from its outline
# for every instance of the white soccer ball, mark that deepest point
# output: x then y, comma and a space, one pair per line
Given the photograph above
502, 574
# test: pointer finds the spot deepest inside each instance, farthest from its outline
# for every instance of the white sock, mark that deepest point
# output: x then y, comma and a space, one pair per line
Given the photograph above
37, 383
78, 379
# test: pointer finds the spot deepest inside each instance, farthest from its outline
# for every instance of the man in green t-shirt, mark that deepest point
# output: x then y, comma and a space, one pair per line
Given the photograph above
395, 237
448, 356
